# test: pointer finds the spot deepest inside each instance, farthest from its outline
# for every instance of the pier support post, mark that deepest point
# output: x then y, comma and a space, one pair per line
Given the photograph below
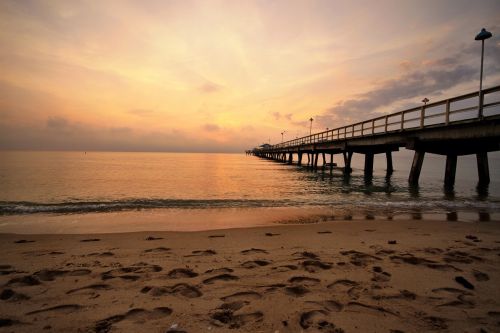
316, 156
331, 163
290, 158
347, 162
451, 168
369, 164
483, 169
416, 167
308, 159
324, 161
388, 156
299, 157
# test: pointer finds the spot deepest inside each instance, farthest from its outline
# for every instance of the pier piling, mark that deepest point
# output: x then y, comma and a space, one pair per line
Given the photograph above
347, 162
390, 169
451, 169
483, 168
369, 164
416, 167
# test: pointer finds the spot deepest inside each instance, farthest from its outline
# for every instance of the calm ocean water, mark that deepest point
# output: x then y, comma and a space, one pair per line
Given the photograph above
34, 183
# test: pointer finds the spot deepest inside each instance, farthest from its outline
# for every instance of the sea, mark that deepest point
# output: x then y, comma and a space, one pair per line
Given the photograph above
95, 192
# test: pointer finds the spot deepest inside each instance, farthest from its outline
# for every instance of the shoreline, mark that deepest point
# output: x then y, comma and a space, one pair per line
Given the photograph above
192, 220
339, 276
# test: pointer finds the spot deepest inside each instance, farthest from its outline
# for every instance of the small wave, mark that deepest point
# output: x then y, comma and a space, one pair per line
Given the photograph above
395, 206
78, 207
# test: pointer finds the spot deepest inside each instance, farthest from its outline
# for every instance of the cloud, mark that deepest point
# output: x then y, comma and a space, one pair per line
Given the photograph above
209, 87
58, 123
277, 116
86, 137
431, 78
211, 127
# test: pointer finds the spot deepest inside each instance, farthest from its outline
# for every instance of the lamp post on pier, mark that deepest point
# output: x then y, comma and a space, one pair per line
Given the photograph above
311, 126
482, 36
282, 133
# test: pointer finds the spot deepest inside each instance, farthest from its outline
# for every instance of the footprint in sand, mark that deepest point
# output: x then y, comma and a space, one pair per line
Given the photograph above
242, 296
90, 240
179, 273
306, 255
11, 295
284, 268
362, 307
348, 287
408, 258
226, 317
182, 289
480, 276
124, 272
152, 238
318, 319
273, 287
296, 291
23, 241
402, 294
384, 252
221, 277
324, 232
379, 275
221, 270
27, 280
254, 251
51, 275
432, 250
360, 258
314, 265
329, 305
7, 322
455, 298
160, 249
461, 257
7, 269
216, 236
92, 287
199, 253
233, 306
305, 280
270, 234
434, 323
105, 325
255, 263
64, 308
101, 254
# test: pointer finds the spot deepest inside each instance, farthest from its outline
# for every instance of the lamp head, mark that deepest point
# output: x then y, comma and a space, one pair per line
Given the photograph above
484, 34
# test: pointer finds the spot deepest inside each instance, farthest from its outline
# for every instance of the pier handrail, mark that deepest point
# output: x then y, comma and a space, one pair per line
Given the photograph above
402, 120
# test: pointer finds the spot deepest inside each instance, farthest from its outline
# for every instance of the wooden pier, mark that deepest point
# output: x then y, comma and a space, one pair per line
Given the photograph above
462, 125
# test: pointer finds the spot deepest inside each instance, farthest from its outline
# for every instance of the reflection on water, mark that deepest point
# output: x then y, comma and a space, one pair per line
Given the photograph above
484, 216
72, 182
452, 216
482, 191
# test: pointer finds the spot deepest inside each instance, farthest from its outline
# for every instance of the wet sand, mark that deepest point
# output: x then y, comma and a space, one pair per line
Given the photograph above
341, 276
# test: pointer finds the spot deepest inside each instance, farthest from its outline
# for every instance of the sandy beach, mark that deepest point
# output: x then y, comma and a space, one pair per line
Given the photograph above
341, 276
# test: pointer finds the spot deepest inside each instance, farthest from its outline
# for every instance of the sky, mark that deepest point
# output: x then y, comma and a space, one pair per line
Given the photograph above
224, 76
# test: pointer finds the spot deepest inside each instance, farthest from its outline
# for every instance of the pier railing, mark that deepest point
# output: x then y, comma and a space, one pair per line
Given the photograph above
472, 106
